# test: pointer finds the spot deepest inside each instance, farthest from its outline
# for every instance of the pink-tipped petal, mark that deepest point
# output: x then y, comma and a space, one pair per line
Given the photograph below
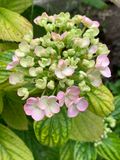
61, 98
72, 111
61, 63
43, 102
102, 61
37, 114
106, 72
92, 49
28, 110
95, 24
48, 113
73, 90
68, 71
59, 74
81, 104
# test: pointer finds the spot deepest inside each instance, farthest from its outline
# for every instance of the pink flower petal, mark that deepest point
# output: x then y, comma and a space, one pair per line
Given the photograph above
72, 93
61, 98
72, 111
73, 90
106, 72
102, 61
59, 74
54, 106
81, 104
55, 36
61, 63
68, 71
48, 113
28, 109
92, 49
95, 24
38, 114
43, 102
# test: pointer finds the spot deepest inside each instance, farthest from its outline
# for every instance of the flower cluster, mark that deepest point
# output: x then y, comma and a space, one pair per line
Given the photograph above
60, 67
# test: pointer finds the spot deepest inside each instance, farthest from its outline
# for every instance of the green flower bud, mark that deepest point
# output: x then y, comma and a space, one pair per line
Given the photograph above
40, 51
24, 47
32, 72
102, 49
27, 62
81, 42
51, 85
111, 121
28, 37
65, 53
34, 43
62, 84
39, 70
70, 82
53, 67
94, 41
77, 19
41, 83
88, 63
50, 51
44, 62
49, 27
23, 92
82, 75
83, 87
91, 32
59, 44
19, 53
70, 24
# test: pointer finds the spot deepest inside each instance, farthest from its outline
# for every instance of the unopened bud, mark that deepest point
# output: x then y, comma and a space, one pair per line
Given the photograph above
23, 92
51, 85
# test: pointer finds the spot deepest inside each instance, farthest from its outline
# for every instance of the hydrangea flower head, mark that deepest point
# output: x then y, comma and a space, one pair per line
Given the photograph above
60, 67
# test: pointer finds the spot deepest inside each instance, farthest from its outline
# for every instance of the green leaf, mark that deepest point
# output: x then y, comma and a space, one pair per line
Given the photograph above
87, 127
116, 113
67, 151
7, 46
39, 151
13, 113
13, 26
84, 151
53, 131
101, 101
16, 5
99, 5
1, 102
109, 149
5, 58
12, 147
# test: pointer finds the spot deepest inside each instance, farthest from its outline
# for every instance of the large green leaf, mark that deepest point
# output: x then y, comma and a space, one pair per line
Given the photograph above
16, 5
84, 151
101, 101
109, 149
13, 113
53, 131
67, 151
8, 46
5, 58
116, 113
39, 151
13, 26
1, 102
87, 127
12, 147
